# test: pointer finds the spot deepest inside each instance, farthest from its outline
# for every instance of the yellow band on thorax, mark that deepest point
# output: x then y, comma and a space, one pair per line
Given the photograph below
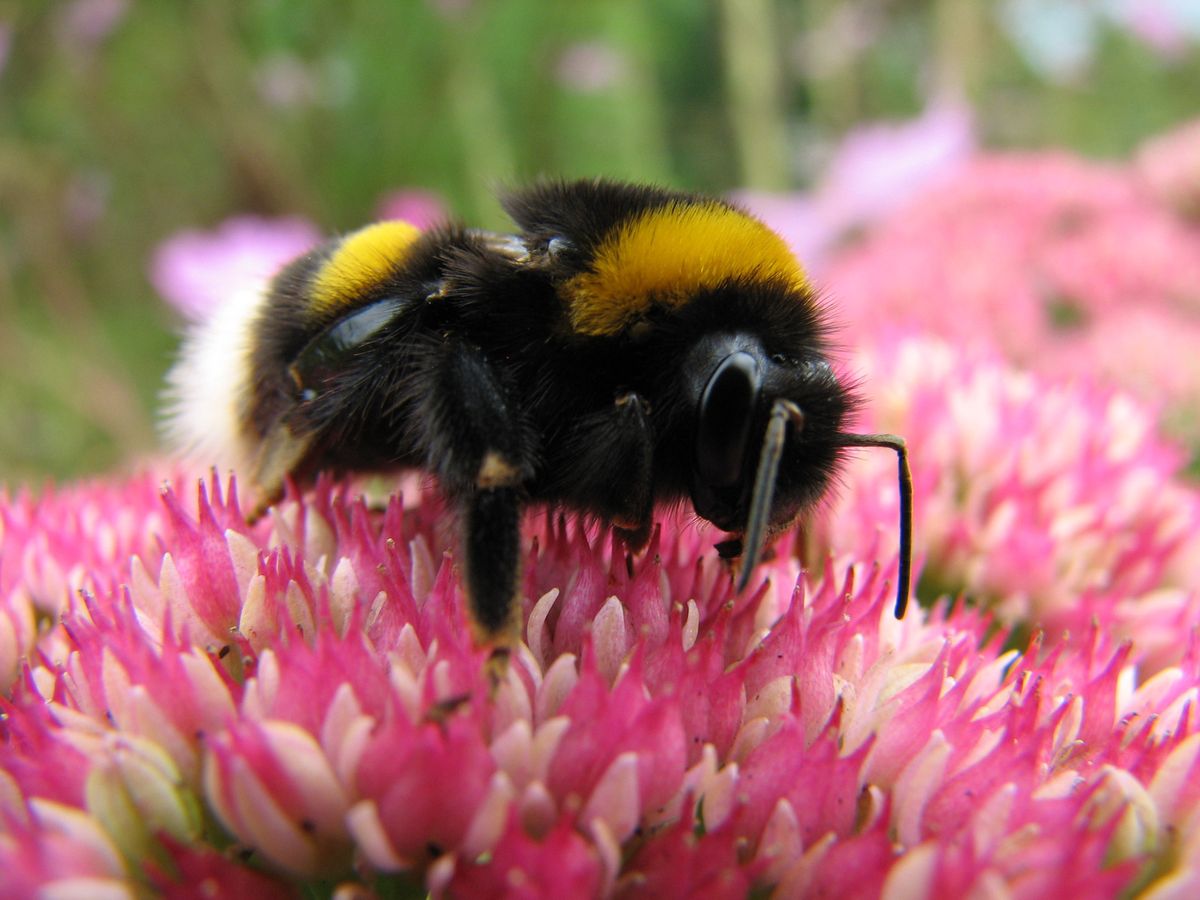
360, 261
666, 256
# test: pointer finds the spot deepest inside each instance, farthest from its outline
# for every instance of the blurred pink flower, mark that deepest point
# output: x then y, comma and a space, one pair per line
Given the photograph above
591, 66
1150, 351
1169, 166
196, 271
85, 24
286, 81
421, 208
1040, 257
874, 170
47, 848
879, 166
17, 636
198, 872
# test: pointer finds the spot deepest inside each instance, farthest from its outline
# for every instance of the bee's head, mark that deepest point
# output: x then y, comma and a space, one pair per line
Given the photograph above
768, 437
734, 384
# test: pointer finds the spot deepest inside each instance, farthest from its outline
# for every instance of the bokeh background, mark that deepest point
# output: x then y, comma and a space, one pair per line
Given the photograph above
124, 124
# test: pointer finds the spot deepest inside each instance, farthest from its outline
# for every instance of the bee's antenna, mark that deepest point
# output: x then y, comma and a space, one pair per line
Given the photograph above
764, 486
904, 579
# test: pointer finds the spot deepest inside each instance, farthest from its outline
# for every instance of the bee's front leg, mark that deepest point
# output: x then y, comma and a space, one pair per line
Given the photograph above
607, 467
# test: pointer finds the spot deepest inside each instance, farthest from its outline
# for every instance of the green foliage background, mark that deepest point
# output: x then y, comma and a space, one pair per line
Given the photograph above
165, 119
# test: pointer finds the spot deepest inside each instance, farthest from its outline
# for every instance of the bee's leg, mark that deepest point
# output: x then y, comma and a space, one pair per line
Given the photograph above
609, 467
492, 547
481, 452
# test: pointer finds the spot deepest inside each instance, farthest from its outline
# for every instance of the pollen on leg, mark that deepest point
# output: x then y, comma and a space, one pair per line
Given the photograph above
496, 471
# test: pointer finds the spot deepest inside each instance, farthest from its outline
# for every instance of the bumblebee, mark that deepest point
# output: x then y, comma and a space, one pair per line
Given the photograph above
628, 346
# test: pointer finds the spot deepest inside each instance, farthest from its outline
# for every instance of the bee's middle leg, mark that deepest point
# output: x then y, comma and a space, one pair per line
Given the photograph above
482, 453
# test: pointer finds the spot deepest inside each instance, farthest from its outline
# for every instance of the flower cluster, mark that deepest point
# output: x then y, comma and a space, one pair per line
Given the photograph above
192, 703
1069, 267
303, 694
1053, 503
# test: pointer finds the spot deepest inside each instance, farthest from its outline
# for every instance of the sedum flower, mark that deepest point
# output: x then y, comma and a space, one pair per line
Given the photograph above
307, 687
1067, 267
191, 703
1051, 502
17, 636
49, 849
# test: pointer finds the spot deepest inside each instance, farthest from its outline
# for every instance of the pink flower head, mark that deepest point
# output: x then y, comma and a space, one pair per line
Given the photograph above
1150, 351
1052, 502
85, 24
196, 271
562, 864
197, 872
668, 738
274, 788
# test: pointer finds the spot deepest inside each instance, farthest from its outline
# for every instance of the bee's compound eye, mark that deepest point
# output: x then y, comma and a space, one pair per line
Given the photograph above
727, 409
557, 246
